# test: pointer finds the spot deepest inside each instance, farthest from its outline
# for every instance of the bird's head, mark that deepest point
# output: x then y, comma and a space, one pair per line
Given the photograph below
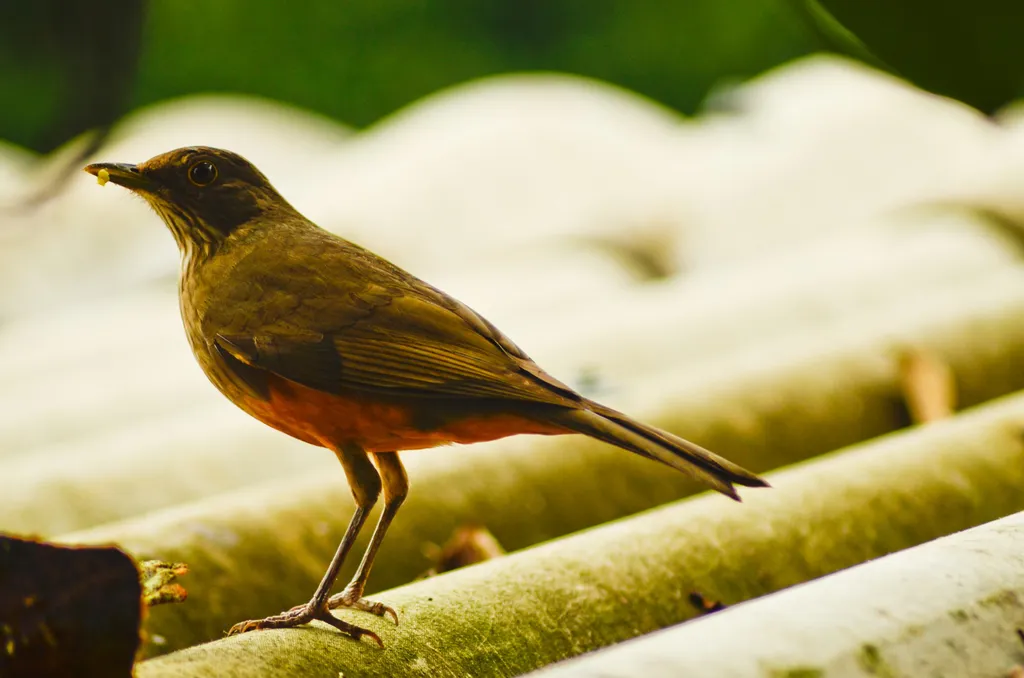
203, 194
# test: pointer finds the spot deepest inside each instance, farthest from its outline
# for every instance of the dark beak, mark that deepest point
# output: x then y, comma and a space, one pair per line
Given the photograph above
121, 174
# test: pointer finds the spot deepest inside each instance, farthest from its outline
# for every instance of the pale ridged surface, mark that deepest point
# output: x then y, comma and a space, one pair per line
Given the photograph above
891, 621
620, 580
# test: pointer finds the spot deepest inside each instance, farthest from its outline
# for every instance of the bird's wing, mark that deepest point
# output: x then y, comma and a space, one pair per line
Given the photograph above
354, 331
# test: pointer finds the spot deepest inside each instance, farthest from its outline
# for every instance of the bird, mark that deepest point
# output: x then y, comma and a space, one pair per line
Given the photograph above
327, 342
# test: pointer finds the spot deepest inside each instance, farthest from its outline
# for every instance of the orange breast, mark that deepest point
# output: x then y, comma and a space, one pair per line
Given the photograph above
378, 424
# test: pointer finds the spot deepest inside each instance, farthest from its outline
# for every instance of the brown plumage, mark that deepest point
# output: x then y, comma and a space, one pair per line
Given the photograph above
327, 342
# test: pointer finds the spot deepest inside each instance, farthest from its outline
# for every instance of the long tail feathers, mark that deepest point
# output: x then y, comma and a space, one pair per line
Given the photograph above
613, 427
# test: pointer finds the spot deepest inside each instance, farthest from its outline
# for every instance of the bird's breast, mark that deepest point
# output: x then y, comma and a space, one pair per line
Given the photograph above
379, 423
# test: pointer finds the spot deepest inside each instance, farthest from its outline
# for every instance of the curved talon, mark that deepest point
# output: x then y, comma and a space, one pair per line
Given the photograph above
355, 632
343, 600
241, 627
368, 633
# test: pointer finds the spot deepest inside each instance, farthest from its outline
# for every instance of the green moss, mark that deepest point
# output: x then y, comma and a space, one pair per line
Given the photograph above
798, 672
1007, 598
960, 616
870, 659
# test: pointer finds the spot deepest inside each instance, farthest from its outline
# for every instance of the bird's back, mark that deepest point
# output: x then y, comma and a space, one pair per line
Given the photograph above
292, 301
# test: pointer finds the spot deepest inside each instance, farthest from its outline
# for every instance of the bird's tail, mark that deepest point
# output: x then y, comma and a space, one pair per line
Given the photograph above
605, 424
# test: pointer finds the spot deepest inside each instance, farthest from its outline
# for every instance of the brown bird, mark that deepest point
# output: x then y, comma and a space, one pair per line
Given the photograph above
329, 343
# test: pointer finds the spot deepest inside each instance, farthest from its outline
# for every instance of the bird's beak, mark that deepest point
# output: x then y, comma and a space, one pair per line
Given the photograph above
121, 174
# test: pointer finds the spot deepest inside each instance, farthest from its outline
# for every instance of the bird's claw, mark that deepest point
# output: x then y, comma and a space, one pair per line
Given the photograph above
303, 614
363, 605
348, 601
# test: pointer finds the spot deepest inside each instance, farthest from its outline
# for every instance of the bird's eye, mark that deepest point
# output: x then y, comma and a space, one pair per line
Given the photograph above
202, 173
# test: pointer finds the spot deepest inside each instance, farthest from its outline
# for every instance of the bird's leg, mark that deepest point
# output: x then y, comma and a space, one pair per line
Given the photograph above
396, 487
365, 484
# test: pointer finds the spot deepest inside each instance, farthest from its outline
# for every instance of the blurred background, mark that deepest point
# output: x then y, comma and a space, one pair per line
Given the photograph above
67, 68
663, 202
155, 74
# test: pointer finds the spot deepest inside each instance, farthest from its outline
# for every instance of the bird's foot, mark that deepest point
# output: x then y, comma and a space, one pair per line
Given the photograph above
303, 614
356, 603
352, 599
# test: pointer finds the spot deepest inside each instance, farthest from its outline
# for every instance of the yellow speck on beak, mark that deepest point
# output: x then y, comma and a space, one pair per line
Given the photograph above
102, 177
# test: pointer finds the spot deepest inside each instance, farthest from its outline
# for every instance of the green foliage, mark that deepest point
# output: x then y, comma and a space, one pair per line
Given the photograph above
970, 51
66, 65
362, 59
358, 61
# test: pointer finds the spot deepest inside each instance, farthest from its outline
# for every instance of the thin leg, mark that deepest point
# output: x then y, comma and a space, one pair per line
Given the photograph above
396, 487
366, 485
